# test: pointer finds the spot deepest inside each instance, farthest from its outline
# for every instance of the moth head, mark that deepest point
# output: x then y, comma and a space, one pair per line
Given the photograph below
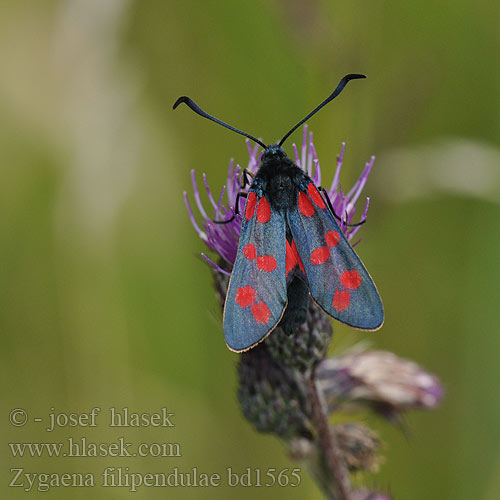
274, 152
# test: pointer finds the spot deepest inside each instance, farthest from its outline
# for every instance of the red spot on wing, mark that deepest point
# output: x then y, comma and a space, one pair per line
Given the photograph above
320, 255
250, 207
305, 206
316, 197
249, 251
341, 300
263, 211
261, 312
266, 263
292, 258
297, 256
332, 238
351, 279
245, 296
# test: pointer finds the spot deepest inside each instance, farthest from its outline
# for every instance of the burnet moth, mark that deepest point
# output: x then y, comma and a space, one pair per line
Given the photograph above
291, 245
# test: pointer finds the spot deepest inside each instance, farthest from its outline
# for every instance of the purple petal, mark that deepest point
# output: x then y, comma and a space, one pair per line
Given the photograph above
196, 194
317, 169
219, 210
296, 153
201, 233
309, 155
336, 178
215, 266
209, 193
360, 184
304, 149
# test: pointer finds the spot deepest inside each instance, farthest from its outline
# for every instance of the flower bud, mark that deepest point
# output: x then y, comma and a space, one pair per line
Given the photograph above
270, 398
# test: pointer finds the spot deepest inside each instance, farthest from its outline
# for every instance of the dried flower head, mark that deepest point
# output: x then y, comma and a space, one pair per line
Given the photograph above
379, 379
359, 446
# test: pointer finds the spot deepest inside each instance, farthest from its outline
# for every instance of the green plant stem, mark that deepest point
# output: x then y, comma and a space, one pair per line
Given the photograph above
327, 444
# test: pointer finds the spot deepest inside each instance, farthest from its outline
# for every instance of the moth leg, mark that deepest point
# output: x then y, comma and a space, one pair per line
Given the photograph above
244, 177
329, 203
243, 184
241, 194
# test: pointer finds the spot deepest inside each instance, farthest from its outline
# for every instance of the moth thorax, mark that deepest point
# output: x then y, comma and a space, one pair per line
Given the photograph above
282, 191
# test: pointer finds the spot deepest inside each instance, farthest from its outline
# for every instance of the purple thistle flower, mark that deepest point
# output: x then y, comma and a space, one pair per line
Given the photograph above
223, 238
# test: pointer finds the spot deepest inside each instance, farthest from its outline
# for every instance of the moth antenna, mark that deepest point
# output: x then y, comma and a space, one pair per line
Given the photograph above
192, 105
331, 97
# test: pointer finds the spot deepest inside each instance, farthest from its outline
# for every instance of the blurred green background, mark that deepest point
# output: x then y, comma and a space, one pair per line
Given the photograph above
104, 301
